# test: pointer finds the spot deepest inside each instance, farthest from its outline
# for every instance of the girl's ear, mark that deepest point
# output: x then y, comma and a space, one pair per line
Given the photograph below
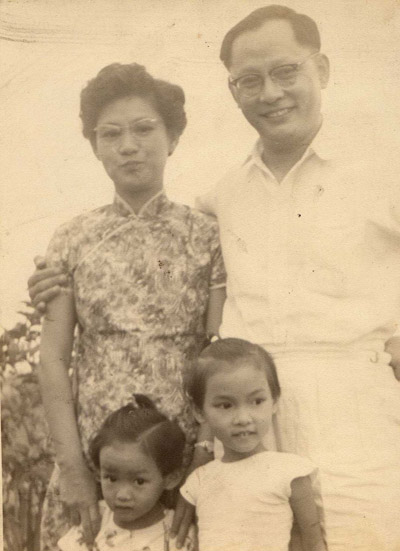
97, 475
198, 415
172, 480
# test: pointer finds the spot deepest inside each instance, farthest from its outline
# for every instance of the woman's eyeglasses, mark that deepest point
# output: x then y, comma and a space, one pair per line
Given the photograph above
284, 76
112, 134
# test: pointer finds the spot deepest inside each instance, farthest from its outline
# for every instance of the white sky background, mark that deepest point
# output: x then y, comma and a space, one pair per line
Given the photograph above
51, 48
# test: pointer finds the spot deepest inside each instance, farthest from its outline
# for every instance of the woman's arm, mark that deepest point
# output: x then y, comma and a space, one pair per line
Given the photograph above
78, 486
215, 307
306, 514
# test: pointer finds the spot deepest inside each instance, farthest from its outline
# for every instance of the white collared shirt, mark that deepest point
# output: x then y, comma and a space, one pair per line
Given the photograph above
313, 261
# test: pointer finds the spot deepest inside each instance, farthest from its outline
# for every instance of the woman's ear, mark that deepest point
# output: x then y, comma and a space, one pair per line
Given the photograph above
173, 142
172, 480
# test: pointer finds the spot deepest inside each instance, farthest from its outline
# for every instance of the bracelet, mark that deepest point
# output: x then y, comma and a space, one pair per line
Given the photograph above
211, 337
207, 445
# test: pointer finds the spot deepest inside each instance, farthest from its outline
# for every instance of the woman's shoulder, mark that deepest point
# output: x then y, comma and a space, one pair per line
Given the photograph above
201, 224
186, 211
87, 218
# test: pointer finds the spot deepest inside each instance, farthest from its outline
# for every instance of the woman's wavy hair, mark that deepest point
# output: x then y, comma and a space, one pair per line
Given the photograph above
118, 81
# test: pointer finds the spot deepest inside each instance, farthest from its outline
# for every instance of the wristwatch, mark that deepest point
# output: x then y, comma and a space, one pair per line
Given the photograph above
207, 445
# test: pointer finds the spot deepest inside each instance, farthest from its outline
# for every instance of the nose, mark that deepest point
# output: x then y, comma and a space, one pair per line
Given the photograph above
271, 91
124, 493
242, 416
128, 143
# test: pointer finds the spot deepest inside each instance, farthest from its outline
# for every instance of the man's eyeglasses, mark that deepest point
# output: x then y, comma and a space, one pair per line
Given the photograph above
112, 134
284, 76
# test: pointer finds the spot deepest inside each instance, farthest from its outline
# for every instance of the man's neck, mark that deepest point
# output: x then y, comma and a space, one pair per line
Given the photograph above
280, 158
280, 162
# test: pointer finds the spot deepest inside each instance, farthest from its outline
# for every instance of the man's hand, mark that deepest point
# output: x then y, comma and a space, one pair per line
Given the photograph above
44, 284
392, 347
183, 519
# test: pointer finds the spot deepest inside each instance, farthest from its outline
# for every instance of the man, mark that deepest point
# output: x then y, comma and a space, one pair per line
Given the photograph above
311, 242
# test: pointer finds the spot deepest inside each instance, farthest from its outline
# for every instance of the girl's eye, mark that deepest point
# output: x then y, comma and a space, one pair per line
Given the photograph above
259, 401
223, 405
140, 481
109, 477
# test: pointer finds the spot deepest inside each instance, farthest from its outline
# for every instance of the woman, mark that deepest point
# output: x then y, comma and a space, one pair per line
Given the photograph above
145, 277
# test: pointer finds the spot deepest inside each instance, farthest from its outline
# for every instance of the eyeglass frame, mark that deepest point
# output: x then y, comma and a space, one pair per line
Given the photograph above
124, 127
233, 81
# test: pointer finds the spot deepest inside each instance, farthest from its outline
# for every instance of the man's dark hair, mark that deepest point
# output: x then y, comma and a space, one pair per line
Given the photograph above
304, 28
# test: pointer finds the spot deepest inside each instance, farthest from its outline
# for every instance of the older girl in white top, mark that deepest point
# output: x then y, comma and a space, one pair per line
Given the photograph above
247, 500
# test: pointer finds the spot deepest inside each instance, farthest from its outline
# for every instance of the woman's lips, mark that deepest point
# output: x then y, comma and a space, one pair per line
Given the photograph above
132, 164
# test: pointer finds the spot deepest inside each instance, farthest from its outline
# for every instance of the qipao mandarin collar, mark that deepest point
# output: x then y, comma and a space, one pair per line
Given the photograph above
154, 207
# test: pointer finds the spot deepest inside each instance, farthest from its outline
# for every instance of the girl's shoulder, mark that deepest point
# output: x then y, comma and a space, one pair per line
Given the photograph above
290, 465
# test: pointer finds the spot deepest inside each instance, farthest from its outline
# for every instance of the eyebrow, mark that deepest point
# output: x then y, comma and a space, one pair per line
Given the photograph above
227, 397
112, 469
256, 70
146, 118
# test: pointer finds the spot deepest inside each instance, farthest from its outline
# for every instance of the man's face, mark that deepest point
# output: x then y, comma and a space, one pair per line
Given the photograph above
289, 117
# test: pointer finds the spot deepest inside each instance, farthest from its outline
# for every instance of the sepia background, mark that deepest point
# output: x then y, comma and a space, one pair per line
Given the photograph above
49, 49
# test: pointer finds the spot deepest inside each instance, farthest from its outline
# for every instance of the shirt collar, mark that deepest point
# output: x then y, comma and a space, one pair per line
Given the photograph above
152, 208
325, 145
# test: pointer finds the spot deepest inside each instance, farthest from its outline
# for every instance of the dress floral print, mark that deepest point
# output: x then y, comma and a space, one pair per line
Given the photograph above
141, 284
114, 538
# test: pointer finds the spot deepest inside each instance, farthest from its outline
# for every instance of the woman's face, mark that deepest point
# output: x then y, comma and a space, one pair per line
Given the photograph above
133, 144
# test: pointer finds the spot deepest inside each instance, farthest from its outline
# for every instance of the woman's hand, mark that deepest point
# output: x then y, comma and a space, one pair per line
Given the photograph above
184, 511
78, 491
44, 284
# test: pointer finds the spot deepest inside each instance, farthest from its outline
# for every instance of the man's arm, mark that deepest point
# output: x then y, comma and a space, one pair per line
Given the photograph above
44, 284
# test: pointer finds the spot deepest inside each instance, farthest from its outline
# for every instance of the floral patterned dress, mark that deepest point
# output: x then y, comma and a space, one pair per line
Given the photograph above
141, 285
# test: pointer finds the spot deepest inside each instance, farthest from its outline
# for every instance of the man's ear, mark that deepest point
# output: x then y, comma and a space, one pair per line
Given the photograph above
322, 63
172, 480
234, 93
94, 148
275, 407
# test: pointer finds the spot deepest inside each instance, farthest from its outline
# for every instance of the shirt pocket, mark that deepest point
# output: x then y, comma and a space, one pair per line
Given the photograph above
336, 261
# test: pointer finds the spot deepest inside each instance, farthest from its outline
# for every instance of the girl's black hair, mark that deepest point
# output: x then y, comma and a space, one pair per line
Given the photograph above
228, 351
163, 440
